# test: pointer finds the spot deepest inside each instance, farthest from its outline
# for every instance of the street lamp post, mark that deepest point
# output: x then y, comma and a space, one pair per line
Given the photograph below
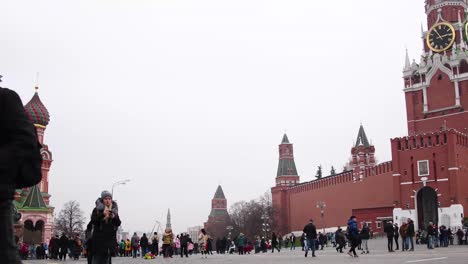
265, 225
229, 229
321, 205
122, 182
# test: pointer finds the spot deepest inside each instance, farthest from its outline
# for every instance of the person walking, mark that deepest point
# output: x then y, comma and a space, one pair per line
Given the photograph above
396, 235
144, 245
430, 235
203, 243
274, 243
168, 239
63, 244
388, 229
19, 149
135, 242
365, 236
155, 244
105, 220
353, 233
340, 240
404, 236
310, 232
241, 242
184, 239
292, 239
410, 234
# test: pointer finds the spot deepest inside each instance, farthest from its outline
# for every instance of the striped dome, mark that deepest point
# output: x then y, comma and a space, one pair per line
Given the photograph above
36, 111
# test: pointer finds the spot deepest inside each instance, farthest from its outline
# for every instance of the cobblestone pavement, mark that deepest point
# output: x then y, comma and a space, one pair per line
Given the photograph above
378, 254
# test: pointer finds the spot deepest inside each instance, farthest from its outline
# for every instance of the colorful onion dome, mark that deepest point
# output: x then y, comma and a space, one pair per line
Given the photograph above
36, 111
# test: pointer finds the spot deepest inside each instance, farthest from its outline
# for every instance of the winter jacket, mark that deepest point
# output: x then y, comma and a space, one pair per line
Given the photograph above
389, 230
104, 231
365, 232
404, 230
135, 241
410, 231
168, 238
353, 231
144, 241
310, 231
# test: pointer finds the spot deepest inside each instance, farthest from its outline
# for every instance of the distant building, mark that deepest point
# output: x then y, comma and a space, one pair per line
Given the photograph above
193, 232
219, 217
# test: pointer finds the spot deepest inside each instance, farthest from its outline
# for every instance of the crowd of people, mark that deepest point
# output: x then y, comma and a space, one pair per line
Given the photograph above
168, 245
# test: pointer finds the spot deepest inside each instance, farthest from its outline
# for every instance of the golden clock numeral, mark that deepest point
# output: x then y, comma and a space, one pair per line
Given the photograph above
432, 44
440, 26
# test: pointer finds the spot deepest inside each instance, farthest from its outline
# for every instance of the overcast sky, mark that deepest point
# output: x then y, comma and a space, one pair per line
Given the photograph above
180, 96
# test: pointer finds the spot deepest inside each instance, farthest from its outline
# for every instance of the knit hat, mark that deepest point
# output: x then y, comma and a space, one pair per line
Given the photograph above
105, 194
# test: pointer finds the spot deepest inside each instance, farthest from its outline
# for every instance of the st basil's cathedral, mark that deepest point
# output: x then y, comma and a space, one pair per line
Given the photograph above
36, 222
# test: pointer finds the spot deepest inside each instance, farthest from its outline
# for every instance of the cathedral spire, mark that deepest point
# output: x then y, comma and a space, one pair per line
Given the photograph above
168, 221
407, 62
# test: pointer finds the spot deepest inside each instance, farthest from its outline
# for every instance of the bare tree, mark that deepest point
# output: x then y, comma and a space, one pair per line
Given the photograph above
70, 220
251, 217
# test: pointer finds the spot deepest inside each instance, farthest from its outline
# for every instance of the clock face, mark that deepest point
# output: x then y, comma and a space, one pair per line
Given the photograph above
441, 37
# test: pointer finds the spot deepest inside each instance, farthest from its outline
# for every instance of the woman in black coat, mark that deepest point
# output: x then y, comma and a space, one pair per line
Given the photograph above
105, 221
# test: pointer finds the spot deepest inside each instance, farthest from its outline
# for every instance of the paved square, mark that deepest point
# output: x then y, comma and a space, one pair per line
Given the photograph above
378, 254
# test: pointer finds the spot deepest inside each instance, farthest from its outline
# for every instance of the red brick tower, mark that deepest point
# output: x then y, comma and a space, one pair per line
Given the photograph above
285, 177
430, 165
436, 88
219, 217
362, 155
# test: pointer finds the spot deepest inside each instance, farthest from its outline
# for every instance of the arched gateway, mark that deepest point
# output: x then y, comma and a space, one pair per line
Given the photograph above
427, 206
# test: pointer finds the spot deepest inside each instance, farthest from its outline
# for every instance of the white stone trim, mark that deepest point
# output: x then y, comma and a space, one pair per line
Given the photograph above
453, 168
396, 175
443, 180
430, 8
406, 183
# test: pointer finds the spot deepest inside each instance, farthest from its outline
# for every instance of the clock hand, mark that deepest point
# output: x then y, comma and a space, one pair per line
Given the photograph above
446, 35
438, 34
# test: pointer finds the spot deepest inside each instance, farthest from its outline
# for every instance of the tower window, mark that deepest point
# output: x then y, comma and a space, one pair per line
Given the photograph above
439, 77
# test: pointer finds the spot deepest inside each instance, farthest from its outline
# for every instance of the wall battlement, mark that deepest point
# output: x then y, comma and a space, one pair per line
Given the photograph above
344, 177
428, 140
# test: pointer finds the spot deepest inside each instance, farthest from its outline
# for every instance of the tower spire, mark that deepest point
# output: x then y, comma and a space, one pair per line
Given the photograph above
36, 85
168, 220
362, 138
407, 64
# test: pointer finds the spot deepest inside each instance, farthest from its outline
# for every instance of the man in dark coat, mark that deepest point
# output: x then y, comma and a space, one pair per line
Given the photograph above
105, 221
63, 245
274, 243
18, 142
410, 233
388, 229
144, 243
311, 235
184, 239
396, 235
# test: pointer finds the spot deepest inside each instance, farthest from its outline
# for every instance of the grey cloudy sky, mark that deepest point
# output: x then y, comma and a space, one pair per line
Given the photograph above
180, 96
